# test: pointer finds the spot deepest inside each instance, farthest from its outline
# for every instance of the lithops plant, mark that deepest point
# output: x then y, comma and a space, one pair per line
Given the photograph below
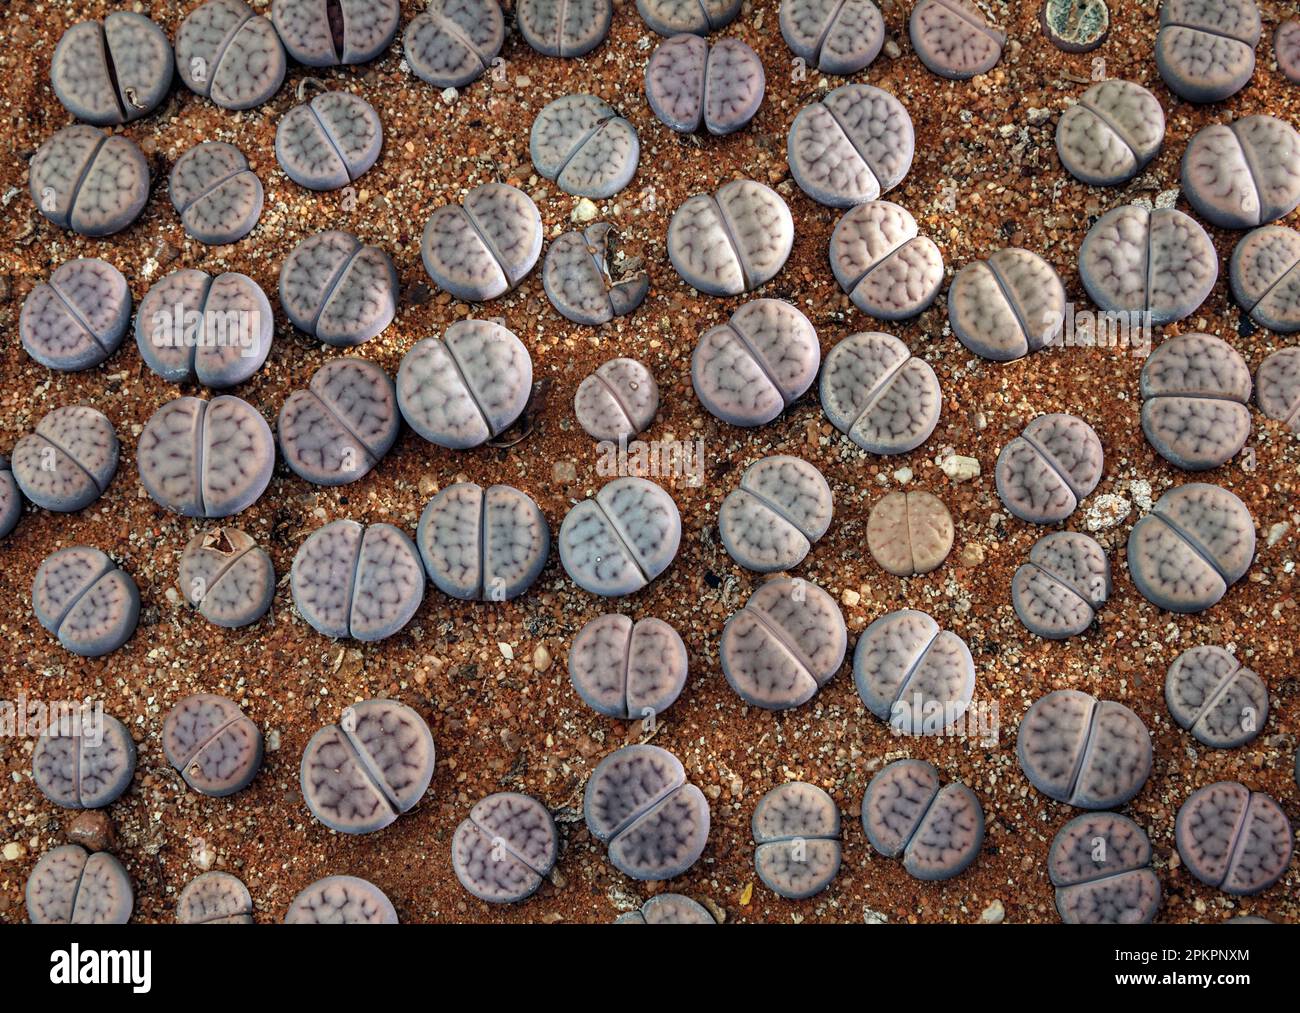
909, 533
698, 17
214, 898
453, 42
881, 260
668, 909
1100, 864
374, 765
228, 53
628, 670
68, 461
341, 900
484, 246
618, 401
337, 289
1111, 134
1286, 48
504, 849
622, 538
84, 599
565, 28
910, 673
1075, 26
78, 318
1232, 838
1242, 174
953, 40
782, 507
70, 886
1264, 274
879, 395
330, 141
691, 84
11, 498
326, 33
88, 181
217, 195
587, 148
1058, 592
731, 241
1008, 305
112, 71
1205, 51
1277, 387
838, 37
938, 831
212, 744
227, 576
1054, 464
85, 761
587, 282
797, 829
1214, 696
1195, 389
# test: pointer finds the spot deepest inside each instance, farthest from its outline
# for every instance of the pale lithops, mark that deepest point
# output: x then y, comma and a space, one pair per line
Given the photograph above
953, 40
732, 241
337, 289
486, 245
587, 282
909, 532
88, 181
214, 898
783, 506
227, 576
878, 394
618, 401
565, 28
1277, 387
218, 197
1205, 51
668, 909
1100, 864
1286, 48
1111, 133
1264, 274
880, 259
341, 900
504, 849
628, 670
937, 831
69, 886
84, 760
68, 461
690, 84
698, 17
1241, 174
78, 318
1044, 473
11, 499
912, 674
796, 826
86, 600
587, 148
622, 538
1214, 696
113, 71
1066, 581
230, 54
330, 141
326, 33
836, 36
1007, 306
1195, 389
453, 42
214, 746
1233, 838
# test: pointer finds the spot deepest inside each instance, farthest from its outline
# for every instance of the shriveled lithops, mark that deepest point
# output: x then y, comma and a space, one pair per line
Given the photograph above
217, 195
912, 674
835, 36
877, 393
1044, 473
212, 744
375, 764
1100, 864
698, 17
1241, 174
11, 498
1264, 274
88, 181
784, 645
330, 141
1111, 134
338, 289
628, 670
1195, 389
668, 909
585, 146
486, 245
639, 802
1277, 386
353, 580
1075, 26
84, 599
1232, 838
585, 280
1059, 591
453, 42
112, 71
1286, 48
68, 461
782, 507
938, 831
797, 829
77, 319
881, 260
504, 849
70, 886
953, 40
732, 241
84, 761
909, 533
564, 27
620, 539
228, 53
214, 898
341, 900
1007, 306
227, 576
1215, 697
618, 401
1206, 51
326, 33
1088, 753
691, 84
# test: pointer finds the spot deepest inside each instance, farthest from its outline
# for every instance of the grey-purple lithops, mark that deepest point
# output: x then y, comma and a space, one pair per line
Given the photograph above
1232, 838
112, 71
1044, 473
214, 898
326, 33
483, 544
84, 599
880, 259
484, 246
227, 576
784, 645
797, 829
747, 371
668, 909
1264, 274
88, 181
639, 802
564, 27
77, 319
618, 401
1277, 387
698, 17
1058, 592
465, 388
1075, 26
342, 425
587, 282
330, 141
1205, 49
85, 760
353, 580
228, 53
1195, 389
206, 458
1286, 49
67, 462
953, 40
375, 764
1241, 174
504, 849
70, 886
1214, 696
838, 37
337, 289
1197, 541
1111, 134
1088, 753
453, 42
938, 831
732, 241
192, 327
782, 507
217, 195
852, 146
909, 533
581, 143
1007, 306
214, 746
1100, 864
912, 674
877, 393
11, 498
622, 538
628, 670
341, 900
690, 84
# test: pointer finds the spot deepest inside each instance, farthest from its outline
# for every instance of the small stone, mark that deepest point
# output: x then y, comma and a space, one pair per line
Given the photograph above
1277, 532
892, 49
449, 95
850, 598
903, 475
93, 830
584, 211
204, 857
1106, 511
506, 650
960, 468
13, 851
993, 914
972, 554
541, 658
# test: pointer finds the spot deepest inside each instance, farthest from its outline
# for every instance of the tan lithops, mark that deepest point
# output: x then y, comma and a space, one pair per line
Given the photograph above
909, 533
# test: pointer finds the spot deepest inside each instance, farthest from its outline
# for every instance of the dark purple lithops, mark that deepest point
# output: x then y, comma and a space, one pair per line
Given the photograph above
628, 670
1075, 26
784, 645
338, 289
1233, 838
77, 319
1264, 274
1088, 753
67, 462
618, 401
341, 900
1044, 473
70, 886
230, 54
1277, 386
909, 532
484, 246
937, 831
1007, 306
1111, 134
353, 580
85, 761
88, 181
881, 260
214, 898
877, 393
1195, 389
639, 802
1286, 48
212, 744
953, 40
913, 674
112, 71
11, 498
585, 146
1205, 49
838, 37
797, 829
227, 576
326, 33
564, 27
782, 507
453, 42
342, 425
84, 599
691, 84
504, 849
330, 141
668, 909
1058, 592
586, 279
1241, 174
217, 195
731, 241
1100, 864
698, 17
622, 538
1214, 696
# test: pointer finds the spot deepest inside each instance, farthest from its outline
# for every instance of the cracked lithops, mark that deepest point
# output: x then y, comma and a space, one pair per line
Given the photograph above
622, 538
1100, 864
85, 761
782, 507
581, 143
353, 580
11, 498
909, 533
212, 744
797, 829
1277, 387
628, 670
70, 886
1215, 697
1088, 753
747, 371
114, 71
84, 599
463, 389
1111, 134
953, 40
483, 544
375, 764
585, 280
564, 27
910, 673
838, 37
691, 84
326, 33
616, 402
227, 576
341, 900
784, 645
1059, 591
697, 17
1232, 838
217, 195
330, 141
484, 246
731, 241
453, 42
78, 318
68, 461
1044, 473
1198, 541
938, 831
1075, 26
206, 458
1205, 49
226, 52
639, 802
1264, 274
1195, 389
337, 289
214, 898
888, 269
879, 395
668, 909
504, 849
1007, 306
1286, 48
1241, 174
88, 181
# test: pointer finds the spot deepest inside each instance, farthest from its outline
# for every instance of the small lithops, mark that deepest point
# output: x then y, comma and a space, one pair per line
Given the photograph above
1214, 696
1045, 472
587, 148
628, 670
838, 37
1058, 592
70, 886
1111, 134
881, 260
618, 401
1206, 51
691, 84
1241, 174
374, 765
1277, 387
214, 898
1007, 306
797, 829
1232, 838
1100, 864
698, 17
228, 53
586, 282
11, 498
453, 42
879, 395
212, 744
912, 674
78, 318
341, 900
1075, 26
937, 831
112, 71
504, 849
782, 507
338, 289
342, 425
227, 576
564, 28
622, 538
68, 461
1286, 49
86, 600
88, 181
330, 141
326, 33
1264, 274
217, 195
668, 909
1195, 389
85, 761
909, 533
484, 246
953, 40
731, 241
